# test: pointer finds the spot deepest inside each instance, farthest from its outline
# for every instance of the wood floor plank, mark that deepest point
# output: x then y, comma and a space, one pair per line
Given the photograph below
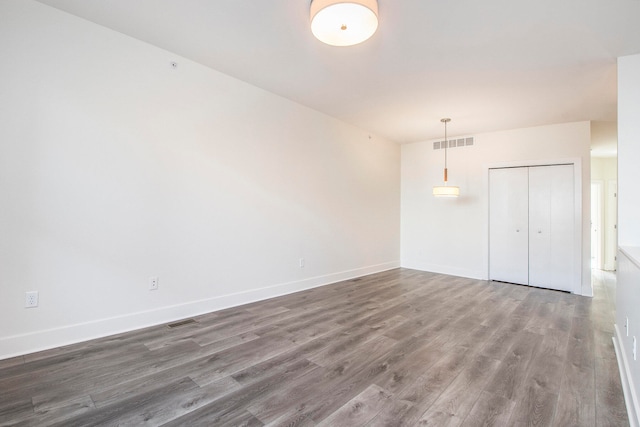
395, 413
501, 315
59, 361
359, 410
498, 345
576, 401
13, 361
603, 345
129, 389
241, 418
542, 318
400, 374
424, 391
158, 371
295, 420
345, 379
535, 408
348, 343
474, 338
544, 378
88, 379
456, 401
513, 370
12, 410
53, 382
554, 343
166, 409
62, 411
610, 410
351, 375
282, 362
490, 410
231, 360
112, 413
236, 404
562, 317
51, 417
397, 348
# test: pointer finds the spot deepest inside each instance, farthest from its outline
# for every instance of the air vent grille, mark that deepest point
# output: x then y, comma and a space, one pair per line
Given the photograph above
181, 323
453, 143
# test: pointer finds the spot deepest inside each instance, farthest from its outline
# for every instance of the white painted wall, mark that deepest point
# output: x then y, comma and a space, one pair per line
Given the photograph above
627, 303
604, 139
628, 285
451, 235
628, 150
114, 167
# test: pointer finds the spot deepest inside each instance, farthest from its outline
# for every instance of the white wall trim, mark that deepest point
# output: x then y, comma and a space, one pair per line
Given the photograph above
18, 345
628, 388
444, 269
580, 286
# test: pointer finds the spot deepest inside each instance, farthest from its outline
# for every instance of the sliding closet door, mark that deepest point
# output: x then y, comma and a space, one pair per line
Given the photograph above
508, 225
551, 226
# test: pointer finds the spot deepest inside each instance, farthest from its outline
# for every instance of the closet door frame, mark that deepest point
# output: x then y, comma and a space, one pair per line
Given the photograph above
581, 283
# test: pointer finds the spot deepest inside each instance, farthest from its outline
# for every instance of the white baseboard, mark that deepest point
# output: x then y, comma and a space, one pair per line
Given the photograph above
18, 345
628, 387
443, 269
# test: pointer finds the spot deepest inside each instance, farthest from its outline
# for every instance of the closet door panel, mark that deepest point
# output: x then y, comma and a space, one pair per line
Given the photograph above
508, 225
540, 225
551, 226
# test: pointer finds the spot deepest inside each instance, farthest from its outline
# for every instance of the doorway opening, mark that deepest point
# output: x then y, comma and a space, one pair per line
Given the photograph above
604, 189
596, 224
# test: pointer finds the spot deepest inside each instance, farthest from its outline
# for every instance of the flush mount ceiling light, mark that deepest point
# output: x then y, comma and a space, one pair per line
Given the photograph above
343, 23
446, 190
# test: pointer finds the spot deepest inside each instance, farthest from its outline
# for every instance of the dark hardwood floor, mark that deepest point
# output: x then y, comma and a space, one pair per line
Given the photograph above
398, 348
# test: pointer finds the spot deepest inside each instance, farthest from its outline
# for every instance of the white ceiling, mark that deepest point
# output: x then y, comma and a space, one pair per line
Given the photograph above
489, 65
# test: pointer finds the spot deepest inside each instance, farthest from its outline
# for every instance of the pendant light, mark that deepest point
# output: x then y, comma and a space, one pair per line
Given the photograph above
343, 23
446, 190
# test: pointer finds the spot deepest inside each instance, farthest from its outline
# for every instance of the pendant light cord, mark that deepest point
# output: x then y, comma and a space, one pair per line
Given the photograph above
446, 147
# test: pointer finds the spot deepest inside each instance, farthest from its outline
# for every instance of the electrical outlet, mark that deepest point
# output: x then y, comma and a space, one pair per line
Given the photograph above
301, 262
626, 325
31, 299
153, 283
634, 348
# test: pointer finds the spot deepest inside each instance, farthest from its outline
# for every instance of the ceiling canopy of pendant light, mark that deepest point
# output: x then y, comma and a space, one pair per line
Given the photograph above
343, 23
446, 190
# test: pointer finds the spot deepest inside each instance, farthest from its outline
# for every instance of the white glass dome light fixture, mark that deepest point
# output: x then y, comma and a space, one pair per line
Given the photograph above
446, 190
343, 23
